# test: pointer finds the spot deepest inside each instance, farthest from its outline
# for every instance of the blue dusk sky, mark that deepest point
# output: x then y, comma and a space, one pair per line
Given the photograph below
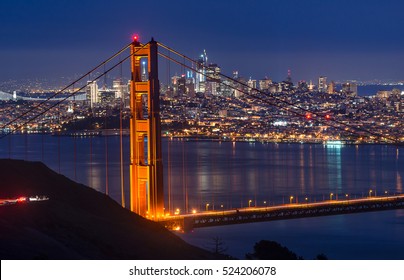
341, 39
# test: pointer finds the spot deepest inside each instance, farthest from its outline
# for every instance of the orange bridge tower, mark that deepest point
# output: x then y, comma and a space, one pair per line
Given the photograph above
146, 167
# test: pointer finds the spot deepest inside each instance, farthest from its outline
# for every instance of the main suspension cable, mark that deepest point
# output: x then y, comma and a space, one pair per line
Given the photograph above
68, 96
66, 87
353, 130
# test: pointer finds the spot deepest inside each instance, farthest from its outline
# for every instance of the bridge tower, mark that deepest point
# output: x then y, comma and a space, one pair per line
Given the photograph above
146, 167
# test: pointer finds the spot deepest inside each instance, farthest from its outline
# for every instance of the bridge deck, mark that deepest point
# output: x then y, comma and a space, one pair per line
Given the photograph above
288, 211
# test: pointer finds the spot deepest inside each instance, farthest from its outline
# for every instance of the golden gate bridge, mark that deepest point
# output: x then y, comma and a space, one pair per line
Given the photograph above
146, 166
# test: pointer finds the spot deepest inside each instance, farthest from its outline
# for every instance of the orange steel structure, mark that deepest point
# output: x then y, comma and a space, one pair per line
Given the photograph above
146, 167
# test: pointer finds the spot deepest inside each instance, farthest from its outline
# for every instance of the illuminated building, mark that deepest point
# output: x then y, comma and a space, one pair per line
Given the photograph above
350, 89
311, 86
331, 87
265, 83
251, 84
118, 88
213, 79
322, 84
302, 86
92, 93
200, 79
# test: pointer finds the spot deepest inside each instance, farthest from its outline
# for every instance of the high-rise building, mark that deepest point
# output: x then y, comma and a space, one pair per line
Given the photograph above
200, 79
118, 87
311, 86
213, 79
350, 89
92, 93
322, 84
331, 88
265, 83
252, 84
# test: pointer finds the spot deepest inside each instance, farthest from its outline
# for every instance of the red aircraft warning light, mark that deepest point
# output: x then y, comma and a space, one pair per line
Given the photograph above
135, 37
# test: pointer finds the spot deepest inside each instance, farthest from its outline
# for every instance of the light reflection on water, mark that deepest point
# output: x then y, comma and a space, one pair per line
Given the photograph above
231, 174
226, 173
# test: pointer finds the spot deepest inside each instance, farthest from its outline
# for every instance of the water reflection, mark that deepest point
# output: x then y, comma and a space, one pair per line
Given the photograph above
228, 173
334, 168
399, 186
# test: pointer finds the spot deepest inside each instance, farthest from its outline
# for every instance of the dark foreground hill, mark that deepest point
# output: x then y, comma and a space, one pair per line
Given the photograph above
76, 222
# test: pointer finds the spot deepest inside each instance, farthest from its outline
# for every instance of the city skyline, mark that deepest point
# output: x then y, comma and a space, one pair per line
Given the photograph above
338, 39
239, 112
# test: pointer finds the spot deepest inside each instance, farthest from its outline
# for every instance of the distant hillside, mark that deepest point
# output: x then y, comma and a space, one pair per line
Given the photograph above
76, 222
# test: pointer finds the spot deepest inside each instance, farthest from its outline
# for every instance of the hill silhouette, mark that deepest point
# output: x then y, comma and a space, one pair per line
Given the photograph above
76, 222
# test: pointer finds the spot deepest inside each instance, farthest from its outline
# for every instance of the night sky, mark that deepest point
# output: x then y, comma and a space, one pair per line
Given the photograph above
341, 39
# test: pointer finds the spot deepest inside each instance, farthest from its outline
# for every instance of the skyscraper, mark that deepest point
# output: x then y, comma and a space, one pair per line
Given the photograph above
265, 83
331, 87
322, 84
92, 93
201, 73
213, 79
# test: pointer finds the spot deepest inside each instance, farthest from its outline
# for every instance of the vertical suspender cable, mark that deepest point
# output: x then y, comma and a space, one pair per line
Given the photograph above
169, 174
106, 156
42, 144
121, 141
74, 137
59, 131
91, 139
91, 159
26, 142
169, 144
9, 146
183, 175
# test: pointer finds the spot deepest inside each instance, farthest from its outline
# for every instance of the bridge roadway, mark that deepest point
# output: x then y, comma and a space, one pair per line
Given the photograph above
187, 222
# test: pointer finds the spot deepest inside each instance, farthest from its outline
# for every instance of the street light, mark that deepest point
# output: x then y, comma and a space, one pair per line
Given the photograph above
249, 203
265, 203
207, 206
331, 194
291, 199
370, 193
307, 199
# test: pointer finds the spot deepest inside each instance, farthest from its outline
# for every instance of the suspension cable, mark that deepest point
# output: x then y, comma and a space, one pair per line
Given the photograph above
66, 97
66, 87
353, 130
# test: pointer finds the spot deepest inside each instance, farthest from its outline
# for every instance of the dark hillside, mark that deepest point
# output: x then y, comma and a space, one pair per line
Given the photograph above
76, 222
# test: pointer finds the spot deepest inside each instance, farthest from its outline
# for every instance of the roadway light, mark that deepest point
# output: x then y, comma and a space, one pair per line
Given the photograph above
291, 199
331, 194
249, 203
370, 193
207, 206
